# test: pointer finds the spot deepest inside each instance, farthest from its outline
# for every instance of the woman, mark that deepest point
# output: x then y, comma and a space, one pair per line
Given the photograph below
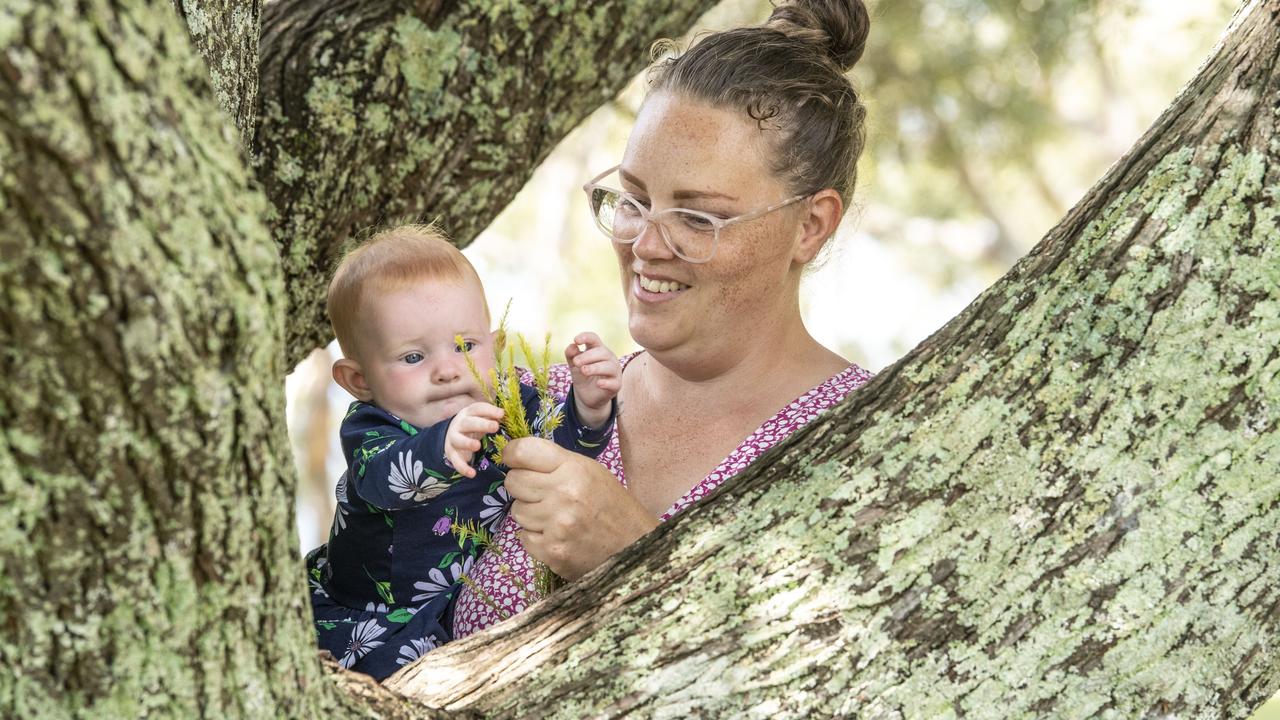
738, 170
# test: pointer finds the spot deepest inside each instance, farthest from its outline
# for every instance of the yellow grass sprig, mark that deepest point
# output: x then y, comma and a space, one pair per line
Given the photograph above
503, 390
485, 388
500, 335
471, 530
514, 422
485, 597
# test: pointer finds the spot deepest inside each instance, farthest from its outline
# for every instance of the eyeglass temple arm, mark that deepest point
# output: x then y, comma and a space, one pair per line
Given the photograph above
598, 178
764, 211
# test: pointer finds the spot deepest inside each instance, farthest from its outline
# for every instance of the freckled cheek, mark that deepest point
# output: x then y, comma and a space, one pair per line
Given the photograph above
748, 262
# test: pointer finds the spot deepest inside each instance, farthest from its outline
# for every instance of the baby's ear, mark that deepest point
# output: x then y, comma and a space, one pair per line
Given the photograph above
347, 373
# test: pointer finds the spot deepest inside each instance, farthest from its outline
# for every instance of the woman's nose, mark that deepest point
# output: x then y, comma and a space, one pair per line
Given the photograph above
652, 245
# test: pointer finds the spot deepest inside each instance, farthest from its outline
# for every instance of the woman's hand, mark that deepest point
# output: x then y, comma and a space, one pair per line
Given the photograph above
574, 513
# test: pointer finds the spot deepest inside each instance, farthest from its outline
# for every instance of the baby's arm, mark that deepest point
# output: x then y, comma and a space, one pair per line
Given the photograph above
391, 464
597, 378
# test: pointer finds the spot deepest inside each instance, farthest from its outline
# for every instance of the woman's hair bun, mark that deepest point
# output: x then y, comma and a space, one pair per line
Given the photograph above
840, 26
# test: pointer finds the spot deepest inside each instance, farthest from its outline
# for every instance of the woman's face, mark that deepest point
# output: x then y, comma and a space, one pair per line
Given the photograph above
684, 153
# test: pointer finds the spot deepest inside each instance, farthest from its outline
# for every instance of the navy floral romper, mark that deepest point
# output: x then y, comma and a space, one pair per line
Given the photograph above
382, 587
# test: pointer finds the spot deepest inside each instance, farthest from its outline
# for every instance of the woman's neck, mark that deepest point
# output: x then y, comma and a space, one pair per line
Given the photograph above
785, 357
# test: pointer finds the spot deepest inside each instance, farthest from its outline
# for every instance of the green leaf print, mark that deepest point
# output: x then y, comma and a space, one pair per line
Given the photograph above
327, 625
408, 428
386, 517
447, 560
400, 615
494, 486
384, 589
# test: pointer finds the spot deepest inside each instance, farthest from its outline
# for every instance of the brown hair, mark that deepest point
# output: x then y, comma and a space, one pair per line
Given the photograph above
391, 260
788, 74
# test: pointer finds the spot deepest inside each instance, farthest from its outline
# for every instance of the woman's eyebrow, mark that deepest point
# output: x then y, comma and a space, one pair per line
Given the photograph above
701, 195
631, 179
679, 194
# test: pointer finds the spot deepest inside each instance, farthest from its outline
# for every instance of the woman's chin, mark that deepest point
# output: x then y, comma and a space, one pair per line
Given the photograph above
653, 334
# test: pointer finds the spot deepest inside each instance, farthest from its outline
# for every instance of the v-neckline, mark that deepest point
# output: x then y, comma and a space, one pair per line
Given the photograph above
615, 444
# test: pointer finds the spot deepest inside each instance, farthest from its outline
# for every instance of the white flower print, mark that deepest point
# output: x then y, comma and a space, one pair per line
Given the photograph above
416, 649
405, 480
339, 519
341, 491
363, 639
439, 581
495, 508
378, 608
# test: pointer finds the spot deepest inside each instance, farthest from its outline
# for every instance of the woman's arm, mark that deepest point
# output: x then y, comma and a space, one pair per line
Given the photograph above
575, 515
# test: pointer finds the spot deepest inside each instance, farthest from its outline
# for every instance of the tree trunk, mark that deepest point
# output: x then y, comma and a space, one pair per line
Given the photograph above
146, 544
377, 110
1063, 504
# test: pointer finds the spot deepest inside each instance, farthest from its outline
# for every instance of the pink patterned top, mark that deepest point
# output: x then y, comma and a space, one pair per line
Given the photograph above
473, 614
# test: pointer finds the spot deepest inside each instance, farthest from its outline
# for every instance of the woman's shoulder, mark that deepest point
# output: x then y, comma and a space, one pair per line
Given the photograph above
825, 394
842, 383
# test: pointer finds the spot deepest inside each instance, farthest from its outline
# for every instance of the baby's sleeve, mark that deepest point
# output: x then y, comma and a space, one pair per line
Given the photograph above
573, 434
391, 464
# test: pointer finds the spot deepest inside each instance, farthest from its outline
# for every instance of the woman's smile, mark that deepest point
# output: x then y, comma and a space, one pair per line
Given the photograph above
651, 289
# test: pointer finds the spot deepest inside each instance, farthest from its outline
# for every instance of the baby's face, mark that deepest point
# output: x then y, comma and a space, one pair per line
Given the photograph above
408, 355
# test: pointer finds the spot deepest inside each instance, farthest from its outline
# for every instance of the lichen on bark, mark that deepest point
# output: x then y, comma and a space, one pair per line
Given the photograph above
148, 550
1063, 504
377, 112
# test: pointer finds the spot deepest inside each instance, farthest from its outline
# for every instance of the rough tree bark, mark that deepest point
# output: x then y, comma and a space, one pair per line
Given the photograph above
377, 110
146, 536
146, 539
1062, 504
225, 33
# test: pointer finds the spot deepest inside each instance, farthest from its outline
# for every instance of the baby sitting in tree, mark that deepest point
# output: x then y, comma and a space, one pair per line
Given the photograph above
383, 584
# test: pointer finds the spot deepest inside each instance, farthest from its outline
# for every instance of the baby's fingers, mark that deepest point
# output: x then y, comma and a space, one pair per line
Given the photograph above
475, 427
610, 384
603, 368
458, 460
481, 410
594, 355
590, 339
571, 351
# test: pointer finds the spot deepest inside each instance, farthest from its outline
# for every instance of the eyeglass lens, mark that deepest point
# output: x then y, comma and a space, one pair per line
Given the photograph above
689, 235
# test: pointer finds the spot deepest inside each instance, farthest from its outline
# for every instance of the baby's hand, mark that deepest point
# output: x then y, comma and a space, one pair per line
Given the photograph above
597, 378
466, 429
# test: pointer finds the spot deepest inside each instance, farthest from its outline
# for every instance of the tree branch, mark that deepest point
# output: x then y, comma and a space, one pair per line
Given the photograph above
225, 33
1063, 504
380, 111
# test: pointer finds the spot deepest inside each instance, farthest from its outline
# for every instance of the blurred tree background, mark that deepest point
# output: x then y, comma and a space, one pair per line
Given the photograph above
988, 120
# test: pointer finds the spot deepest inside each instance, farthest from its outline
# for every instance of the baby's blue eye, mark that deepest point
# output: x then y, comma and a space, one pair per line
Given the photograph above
413, 358
467, 346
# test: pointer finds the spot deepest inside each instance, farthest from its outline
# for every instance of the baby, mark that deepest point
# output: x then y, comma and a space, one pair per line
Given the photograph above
382, 586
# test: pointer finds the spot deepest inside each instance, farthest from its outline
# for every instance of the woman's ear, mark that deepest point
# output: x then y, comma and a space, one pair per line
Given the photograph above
347, 373
825, 210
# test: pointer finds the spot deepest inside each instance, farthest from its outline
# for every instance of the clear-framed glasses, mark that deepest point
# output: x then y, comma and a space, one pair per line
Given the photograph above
692, 235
